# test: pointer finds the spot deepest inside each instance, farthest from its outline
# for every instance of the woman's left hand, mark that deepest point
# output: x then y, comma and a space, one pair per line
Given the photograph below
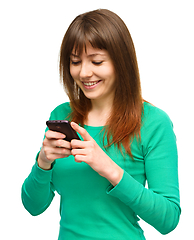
89, 152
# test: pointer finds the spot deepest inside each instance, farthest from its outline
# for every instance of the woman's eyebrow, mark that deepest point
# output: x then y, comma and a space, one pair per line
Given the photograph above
74, 55
96, 54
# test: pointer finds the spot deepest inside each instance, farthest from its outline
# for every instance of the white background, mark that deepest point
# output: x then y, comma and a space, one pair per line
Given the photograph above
30, 36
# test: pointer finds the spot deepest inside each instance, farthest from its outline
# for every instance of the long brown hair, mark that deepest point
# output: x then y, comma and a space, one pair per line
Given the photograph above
103, 29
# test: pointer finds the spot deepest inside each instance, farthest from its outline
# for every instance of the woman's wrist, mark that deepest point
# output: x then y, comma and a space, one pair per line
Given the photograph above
42, 163
115, 175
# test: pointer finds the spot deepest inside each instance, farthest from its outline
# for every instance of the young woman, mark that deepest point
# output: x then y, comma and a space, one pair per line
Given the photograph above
125, 142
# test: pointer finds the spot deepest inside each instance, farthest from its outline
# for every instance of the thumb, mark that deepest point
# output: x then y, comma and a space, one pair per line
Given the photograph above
85, 135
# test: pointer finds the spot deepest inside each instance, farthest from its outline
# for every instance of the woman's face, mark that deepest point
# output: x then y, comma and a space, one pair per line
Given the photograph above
93, 71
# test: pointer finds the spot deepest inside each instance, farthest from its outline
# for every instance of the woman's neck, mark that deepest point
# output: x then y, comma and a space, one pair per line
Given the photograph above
99, 113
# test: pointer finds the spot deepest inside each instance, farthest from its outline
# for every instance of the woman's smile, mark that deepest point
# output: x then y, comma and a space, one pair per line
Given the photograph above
91, 84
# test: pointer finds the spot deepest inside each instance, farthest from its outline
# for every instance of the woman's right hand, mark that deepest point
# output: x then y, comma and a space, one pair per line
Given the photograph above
53, 147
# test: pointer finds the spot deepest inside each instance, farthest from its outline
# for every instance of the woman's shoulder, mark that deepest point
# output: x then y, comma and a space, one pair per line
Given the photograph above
61, 112
154, 116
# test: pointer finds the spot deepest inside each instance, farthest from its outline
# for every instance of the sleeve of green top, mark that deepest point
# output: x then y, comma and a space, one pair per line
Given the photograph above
37, 190
159, 205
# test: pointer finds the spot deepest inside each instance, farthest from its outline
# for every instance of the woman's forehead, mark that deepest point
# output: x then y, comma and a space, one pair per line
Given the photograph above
89, 51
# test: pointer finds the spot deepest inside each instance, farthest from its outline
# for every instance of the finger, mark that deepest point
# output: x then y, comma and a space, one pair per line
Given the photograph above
53, 143
77, 144
62, 151
54, 135
85, 135
57, 156
54, 153
80, 158
63, 144
78, 161
75, 152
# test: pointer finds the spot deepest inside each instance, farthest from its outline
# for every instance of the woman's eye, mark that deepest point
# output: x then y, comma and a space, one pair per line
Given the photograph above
75, 62
97, 63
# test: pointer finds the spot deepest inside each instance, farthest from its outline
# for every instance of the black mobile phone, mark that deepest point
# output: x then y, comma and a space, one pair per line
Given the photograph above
63, 126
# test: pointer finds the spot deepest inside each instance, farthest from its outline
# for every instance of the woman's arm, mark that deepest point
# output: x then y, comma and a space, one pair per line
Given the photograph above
160, 204
37, 190
160, 211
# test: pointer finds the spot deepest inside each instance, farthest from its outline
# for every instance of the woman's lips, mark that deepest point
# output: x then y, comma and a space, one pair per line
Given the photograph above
90, 85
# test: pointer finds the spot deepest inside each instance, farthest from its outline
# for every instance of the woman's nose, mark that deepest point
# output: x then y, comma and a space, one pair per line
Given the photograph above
85, 71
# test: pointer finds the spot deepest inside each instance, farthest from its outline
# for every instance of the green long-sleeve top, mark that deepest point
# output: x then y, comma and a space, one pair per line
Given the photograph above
91, 208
